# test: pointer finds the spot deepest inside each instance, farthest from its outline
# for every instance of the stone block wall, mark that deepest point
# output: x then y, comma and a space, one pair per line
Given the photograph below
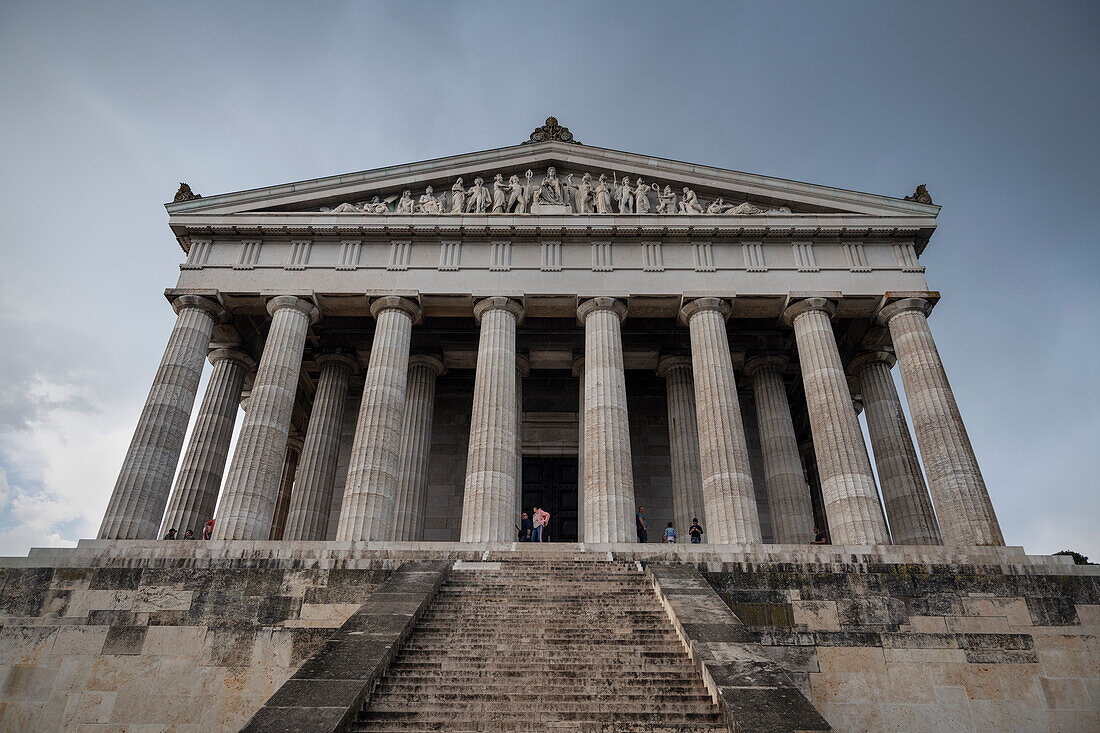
928, 647
172, 647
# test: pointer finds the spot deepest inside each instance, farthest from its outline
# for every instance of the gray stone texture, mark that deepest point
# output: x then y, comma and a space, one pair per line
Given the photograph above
366, 511
788, 493
608, 477
141, 492
252, 484
195, 494
683, 441
729, 496
489, 497
416, 433
286, 487
311, 500
954, 478
908, 505
847, 483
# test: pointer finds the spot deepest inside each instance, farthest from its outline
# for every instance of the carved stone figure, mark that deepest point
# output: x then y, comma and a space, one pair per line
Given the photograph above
186, 194
517, 197
689, 204
500, 194
478, 198
376, 206
625, 197
458, 197
549, 191
641, 197
429, 204
603, 196
347, 209
921, 195
745, 209
666, 201
583, 197
405, 203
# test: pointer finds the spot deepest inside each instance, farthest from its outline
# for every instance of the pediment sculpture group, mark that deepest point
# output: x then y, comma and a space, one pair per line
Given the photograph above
586, 196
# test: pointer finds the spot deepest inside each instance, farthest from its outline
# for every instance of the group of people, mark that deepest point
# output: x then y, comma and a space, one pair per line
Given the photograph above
695, 532
533, 528
207, 531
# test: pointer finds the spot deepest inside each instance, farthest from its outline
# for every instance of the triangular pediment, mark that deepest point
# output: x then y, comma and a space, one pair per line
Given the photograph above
586, 181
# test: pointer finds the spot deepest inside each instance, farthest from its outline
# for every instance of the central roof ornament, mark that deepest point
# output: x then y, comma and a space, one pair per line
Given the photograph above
551, 131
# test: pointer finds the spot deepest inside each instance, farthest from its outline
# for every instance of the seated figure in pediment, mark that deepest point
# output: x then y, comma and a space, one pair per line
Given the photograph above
689, 204
376, 206
405, 203
666, 201
549, 192
429, 204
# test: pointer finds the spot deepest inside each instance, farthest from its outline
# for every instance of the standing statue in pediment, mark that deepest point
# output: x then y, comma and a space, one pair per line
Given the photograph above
689, 204
517, 197
583, 197
549, 191
458, 197
625, 196
641, 197
603, 196
500, 194
405, 203
429, 204
666, 201
478, 198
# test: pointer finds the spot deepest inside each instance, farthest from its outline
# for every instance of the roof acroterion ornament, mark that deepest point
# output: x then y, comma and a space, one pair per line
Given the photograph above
551, 131
185, 194
921, 195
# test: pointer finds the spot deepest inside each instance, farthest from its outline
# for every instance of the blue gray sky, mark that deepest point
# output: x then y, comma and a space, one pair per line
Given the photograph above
105, 107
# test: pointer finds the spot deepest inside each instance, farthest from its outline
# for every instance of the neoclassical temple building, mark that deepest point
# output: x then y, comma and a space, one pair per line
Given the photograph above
415, 353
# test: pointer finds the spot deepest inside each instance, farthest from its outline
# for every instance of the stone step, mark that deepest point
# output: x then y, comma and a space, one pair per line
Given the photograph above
530, 715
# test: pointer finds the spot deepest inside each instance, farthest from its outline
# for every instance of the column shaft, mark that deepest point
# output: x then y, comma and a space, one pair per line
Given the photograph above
252, 485
847, 483
286, 488
308, 516
608, 474
523, 370
416, 442
195, 494
578, 371
958, 488
728, 495
489, 498
366, 512
683, 441
788, 492
138, 501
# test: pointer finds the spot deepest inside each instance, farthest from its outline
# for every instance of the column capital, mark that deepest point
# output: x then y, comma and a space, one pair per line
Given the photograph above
864, 359
213, 307
293, 302
578, 366
806, 305
523, 366
335, 357
700, 305
232, 354
496, 303
601, 304
762, 361
379, 306
673, 361
902, 305
429, 360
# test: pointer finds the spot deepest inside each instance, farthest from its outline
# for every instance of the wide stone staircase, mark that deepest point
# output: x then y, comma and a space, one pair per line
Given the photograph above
542, 644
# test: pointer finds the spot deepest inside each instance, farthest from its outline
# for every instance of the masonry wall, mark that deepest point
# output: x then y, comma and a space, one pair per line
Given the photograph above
928, 648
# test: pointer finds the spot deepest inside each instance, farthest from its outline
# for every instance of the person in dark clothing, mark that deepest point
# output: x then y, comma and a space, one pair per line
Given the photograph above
819, 537
640, 525
526, 528
171, 534
188, 535
695, 531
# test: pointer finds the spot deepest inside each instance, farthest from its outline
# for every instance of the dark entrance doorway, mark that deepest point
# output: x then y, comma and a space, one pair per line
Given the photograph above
551, 482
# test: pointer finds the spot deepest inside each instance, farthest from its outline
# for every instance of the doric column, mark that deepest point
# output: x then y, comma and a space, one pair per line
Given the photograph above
141, 491
608, 473
286, 487
252, 485
958, 489
490, 492
200, 477
578, 371
311, 500
366, 512
523, 370
683, 440
416, 442
728, 498
809, 468
847, 483
788, 492
908, 505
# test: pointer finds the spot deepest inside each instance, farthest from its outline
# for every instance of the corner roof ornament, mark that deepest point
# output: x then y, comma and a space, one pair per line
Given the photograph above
921, 195
551, 131
185, 194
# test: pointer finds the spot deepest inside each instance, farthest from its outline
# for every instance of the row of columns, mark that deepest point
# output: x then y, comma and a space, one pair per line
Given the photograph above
384, 496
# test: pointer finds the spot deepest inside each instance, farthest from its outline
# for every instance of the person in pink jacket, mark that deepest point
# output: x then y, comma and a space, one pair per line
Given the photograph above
542, 519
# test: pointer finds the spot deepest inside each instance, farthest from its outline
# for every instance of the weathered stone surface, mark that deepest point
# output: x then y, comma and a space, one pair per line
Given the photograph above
683, 441
416, 434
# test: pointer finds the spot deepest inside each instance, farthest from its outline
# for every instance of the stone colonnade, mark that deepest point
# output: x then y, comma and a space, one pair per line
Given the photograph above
385, 492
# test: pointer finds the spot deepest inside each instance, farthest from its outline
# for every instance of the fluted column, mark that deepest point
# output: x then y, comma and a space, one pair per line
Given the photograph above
286, 487
141, 490
728, 498
416, 442
307, 518
683, 440
366, 512
788, 492
252, 485
958, 489
608, 473
523, 370
847, 483
809, 468
490, 492
578, 371
200, 477
908, 505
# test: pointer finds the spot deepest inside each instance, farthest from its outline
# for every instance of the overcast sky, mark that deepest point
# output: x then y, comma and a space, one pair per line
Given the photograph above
106, 106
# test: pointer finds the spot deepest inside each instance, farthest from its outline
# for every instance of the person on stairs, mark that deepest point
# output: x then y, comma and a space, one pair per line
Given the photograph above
542, 519
695, 531
670, 534
640, 525
526, 528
